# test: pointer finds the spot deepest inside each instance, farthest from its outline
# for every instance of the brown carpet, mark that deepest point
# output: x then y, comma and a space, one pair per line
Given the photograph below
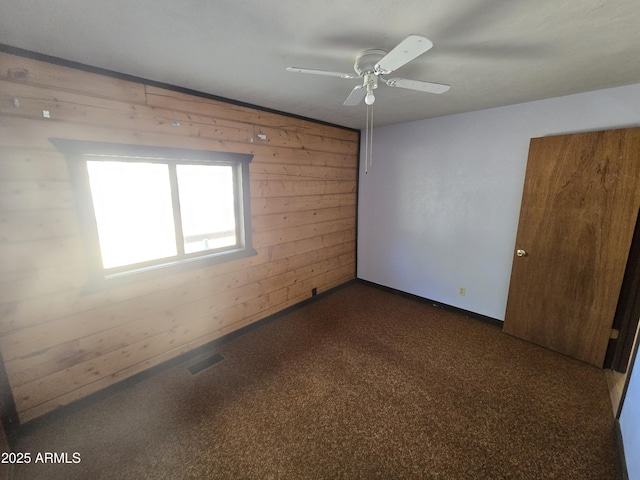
361, 384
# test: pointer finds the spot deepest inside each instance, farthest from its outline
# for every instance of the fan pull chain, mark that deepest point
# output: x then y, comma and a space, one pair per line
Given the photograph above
366, 143
368, 140
371, 138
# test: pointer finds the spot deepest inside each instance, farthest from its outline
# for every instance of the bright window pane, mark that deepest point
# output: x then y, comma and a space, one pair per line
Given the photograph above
132, 203
207, 206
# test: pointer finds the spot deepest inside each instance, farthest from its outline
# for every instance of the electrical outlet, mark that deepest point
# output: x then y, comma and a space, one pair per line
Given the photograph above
462, 291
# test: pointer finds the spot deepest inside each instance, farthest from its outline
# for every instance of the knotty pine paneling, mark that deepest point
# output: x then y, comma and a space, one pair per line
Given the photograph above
32, 72
59, 343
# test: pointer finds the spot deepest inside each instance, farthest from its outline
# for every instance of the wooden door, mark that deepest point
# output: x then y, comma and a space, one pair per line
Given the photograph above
579, 208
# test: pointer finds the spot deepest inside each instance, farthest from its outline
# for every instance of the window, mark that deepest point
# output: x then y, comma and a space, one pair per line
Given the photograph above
145, 208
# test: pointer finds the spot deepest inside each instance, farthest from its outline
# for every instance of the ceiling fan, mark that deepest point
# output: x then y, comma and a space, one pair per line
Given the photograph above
370, 65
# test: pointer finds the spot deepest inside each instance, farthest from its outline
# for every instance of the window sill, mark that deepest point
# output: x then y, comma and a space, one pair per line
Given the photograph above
121, 279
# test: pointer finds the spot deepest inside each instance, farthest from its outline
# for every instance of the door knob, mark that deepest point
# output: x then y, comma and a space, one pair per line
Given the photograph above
521, 253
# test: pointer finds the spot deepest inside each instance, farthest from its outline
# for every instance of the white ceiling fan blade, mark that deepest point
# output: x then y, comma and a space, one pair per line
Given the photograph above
322, 72
356, 96
428, 87
411, 47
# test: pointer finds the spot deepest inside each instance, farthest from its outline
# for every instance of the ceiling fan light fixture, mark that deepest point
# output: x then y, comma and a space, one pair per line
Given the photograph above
370, 98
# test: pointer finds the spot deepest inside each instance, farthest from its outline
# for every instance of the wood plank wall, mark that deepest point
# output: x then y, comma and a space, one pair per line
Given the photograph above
59, 344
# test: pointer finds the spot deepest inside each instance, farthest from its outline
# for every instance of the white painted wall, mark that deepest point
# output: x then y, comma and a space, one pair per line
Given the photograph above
439, 207
630, 423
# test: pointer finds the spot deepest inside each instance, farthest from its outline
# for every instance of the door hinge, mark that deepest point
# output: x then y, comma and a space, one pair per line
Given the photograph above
614, 334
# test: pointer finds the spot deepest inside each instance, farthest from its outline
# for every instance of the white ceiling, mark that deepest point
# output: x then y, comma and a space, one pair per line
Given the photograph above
491, 52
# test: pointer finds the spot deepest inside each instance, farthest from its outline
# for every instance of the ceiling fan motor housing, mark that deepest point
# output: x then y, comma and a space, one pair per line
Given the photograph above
366, 61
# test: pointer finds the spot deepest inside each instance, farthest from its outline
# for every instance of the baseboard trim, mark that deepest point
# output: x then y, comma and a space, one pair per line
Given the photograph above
621, 461
126, 383
460, 311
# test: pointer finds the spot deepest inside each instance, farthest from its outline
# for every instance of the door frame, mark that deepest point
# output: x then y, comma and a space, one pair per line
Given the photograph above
627, 314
